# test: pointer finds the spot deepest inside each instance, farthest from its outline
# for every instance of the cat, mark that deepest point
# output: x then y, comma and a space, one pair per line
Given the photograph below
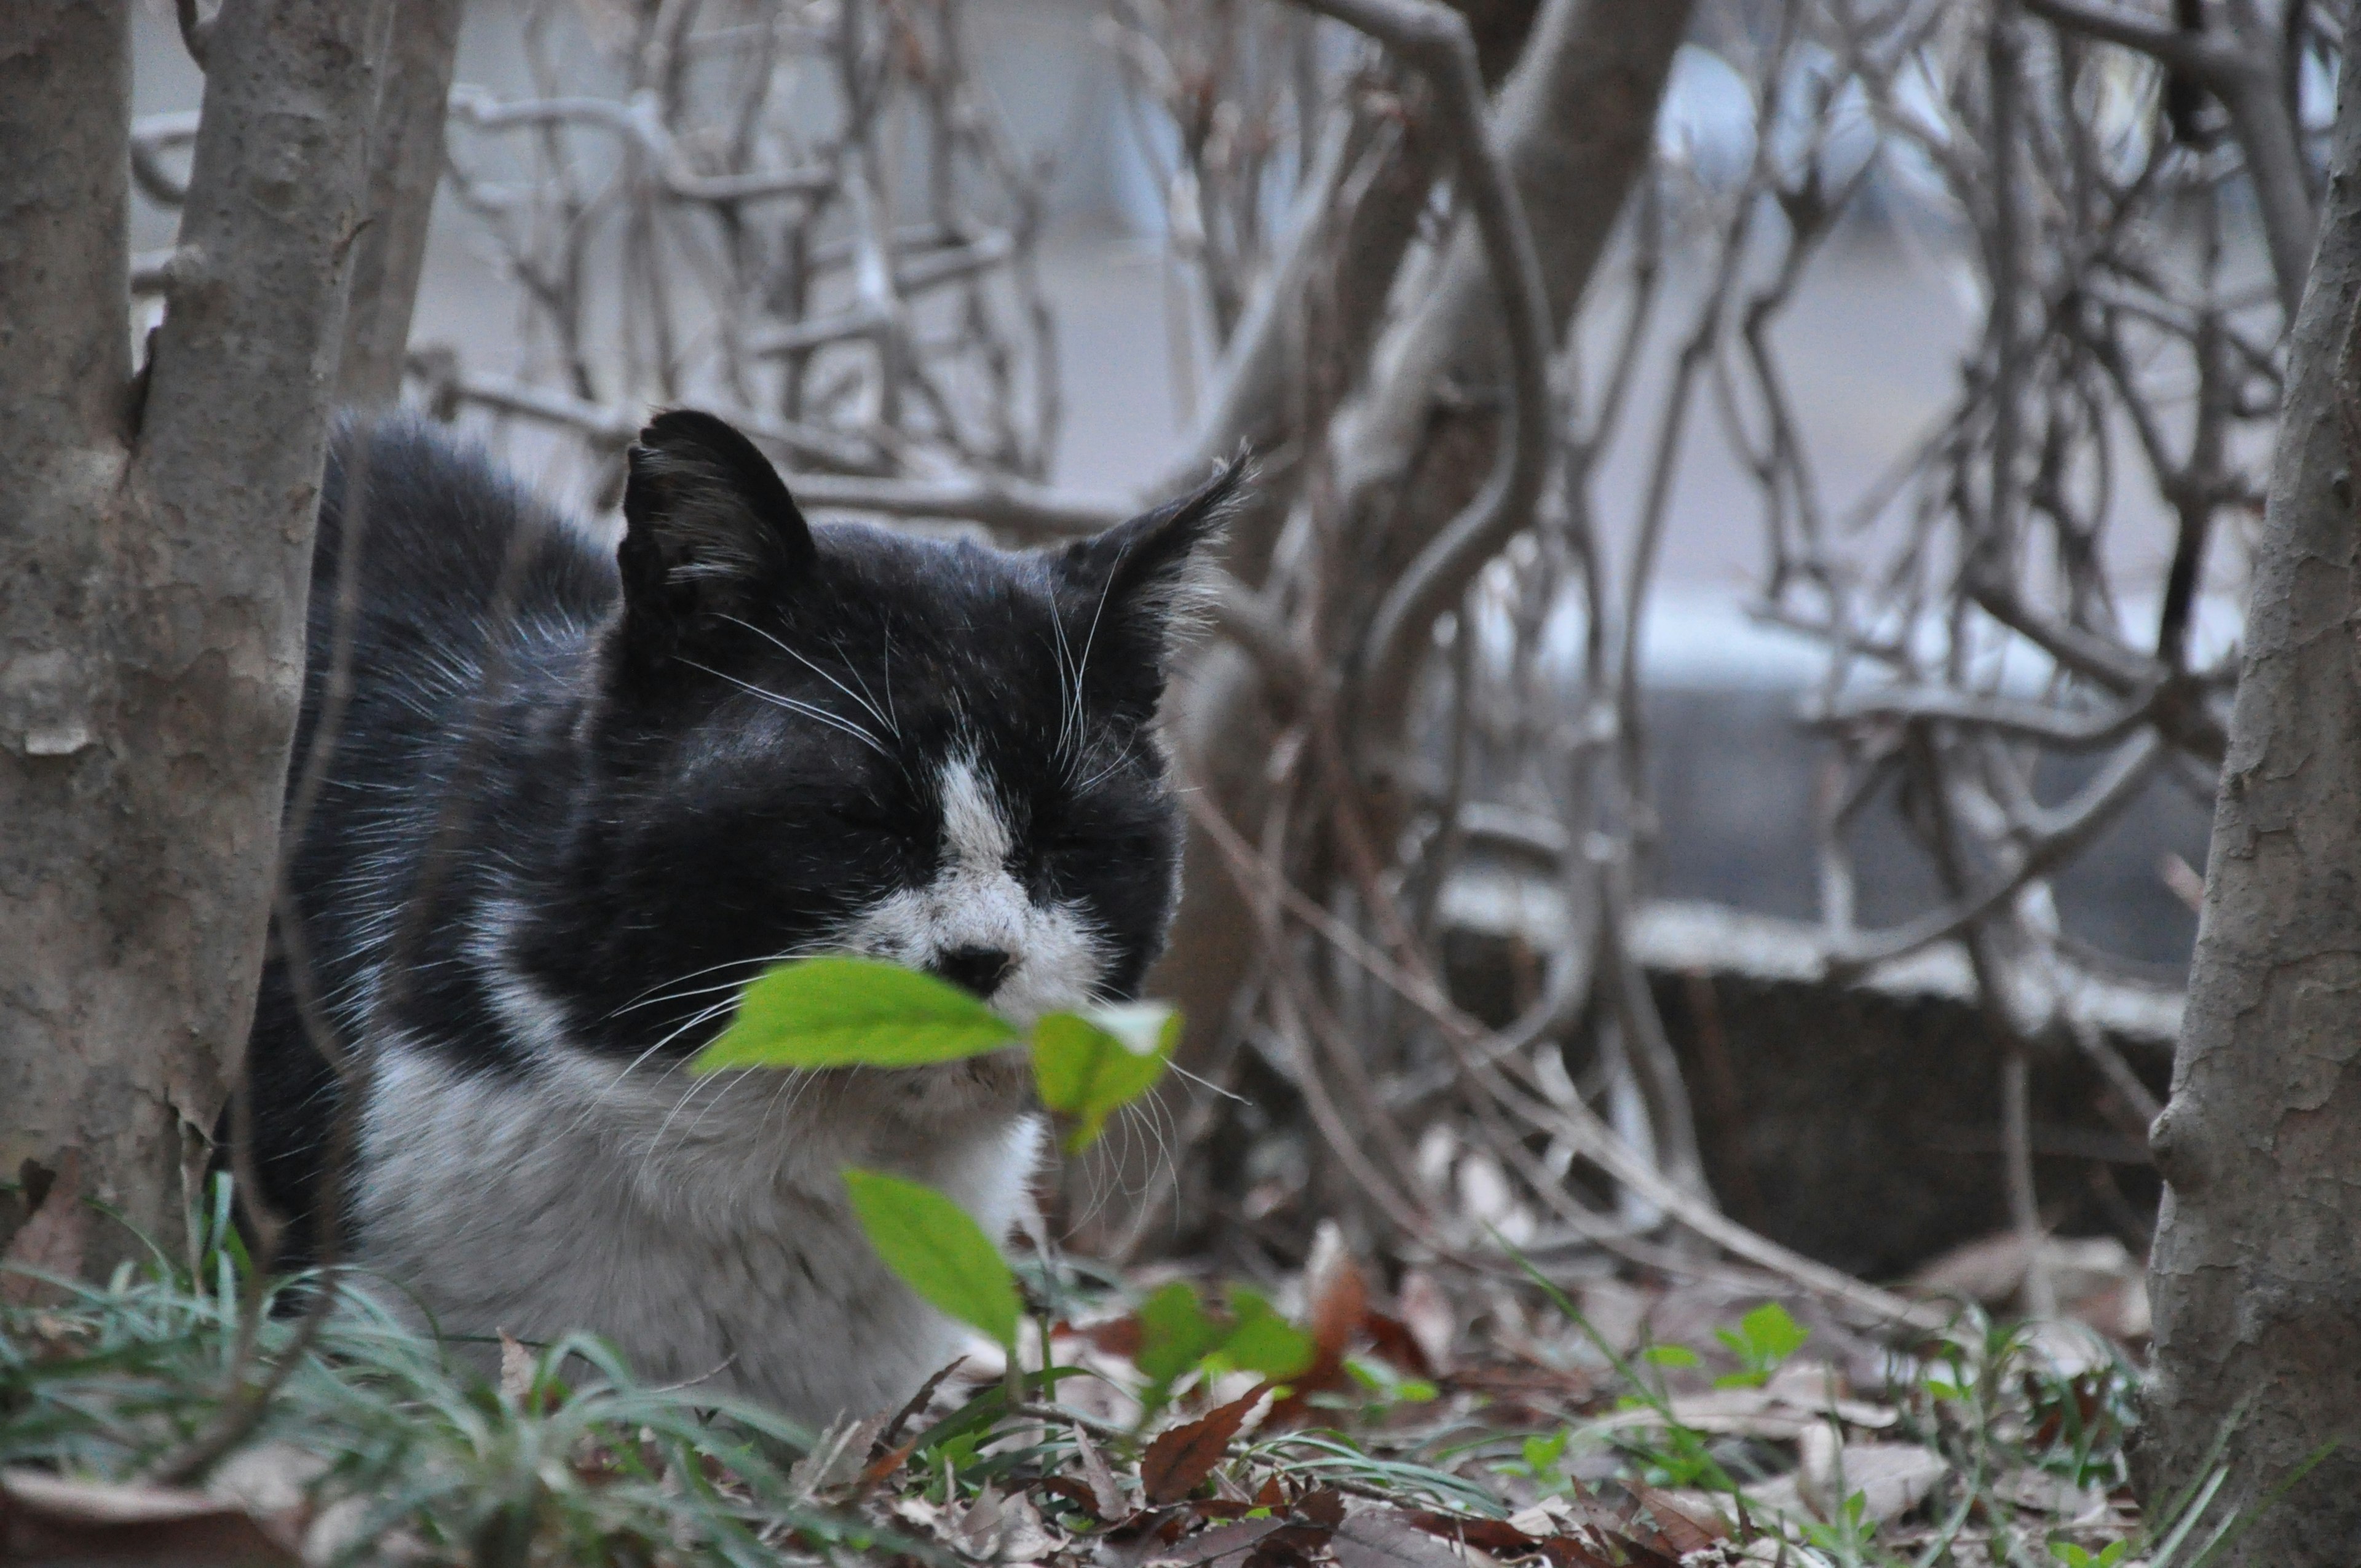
551, 808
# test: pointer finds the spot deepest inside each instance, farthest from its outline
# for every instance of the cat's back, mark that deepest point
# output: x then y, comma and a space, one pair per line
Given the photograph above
446, 600
447, 553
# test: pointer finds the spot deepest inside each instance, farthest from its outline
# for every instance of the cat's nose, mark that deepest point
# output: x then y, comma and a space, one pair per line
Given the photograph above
977, 970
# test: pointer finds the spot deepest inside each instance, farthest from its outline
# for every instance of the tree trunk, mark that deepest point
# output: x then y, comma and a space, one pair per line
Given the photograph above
2257, 1273
405, 165
154, 576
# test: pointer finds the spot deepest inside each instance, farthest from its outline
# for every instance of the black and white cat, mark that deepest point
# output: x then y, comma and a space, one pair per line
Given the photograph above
573, 803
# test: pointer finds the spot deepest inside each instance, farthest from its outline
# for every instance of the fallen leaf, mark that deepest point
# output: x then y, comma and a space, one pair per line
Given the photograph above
1335, 1294
1499, 1537
1116, 1337
977, 1529
516, 1371
1225, 1540
839, 1455
1385, 1538
1427, 1313
1686, 1530
882, 1467
1176, 1461
1106, 1495
911, 1408
1891, 1478
1072, 1490
51, 1241
1390, 1338
1336, 1299
1023, 1536
1570, 1552
1818, 1388
2052, 1495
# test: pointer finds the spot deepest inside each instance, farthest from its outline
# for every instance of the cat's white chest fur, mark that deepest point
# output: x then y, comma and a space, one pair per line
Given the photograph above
700, 1226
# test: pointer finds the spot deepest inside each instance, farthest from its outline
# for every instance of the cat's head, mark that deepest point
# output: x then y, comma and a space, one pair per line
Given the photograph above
842, 739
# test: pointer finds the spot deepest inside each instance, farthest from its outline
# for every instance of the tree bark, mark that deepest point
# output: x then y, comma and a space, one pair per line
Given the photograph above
65, 372
156, 565
405, 166
2256, 1277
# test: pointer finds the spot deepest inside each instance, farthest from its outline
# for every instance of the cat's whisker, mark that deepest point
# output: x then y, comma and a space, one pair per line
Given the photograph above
709, 968
893, 724
814, 668
1089, 640
1073, 723
795, 705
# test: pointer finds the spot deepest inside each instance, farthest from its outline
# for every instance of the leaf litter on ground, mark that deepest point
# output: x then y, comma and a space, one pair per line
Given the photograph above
1447, 1422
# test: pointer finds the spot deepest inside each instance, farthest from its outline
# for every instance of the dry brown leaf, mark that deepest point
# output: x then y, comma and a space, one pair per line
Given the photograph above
516, 1370
1176, 1461
1572, 1551
882, 1467
1335, 1295
911, 1408
1688, 1530
839, 1456
1107, 1495
51, 1241
1220, 1543
1499, 1537
1427, 1313
1385, 1537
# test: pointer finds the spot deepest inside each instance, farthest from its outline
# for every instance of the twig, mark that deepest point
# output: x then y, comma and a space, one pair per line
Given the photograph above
2062, 835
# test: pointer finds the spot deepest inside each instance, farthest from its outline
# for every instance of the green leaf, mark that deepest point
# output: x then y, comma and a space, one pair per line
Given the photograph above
1772, 1333
1264, 1342
1670, 1356
1087, 1066
845, 1012
1174, 1333
937, 1249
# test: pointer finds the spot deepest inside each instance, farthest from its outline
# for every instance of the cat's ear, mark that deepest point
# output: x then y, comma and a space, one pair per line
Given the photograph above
711, 534
1131, 591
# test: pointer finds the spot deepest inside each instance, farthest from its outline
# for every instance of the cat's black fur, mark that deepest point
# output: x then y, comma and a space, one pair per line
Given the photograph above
558, 803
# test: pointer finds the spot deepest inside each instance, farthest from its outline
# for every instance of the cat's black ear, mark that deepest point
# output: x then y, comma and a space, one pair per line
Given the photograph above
1132, 588
711, 534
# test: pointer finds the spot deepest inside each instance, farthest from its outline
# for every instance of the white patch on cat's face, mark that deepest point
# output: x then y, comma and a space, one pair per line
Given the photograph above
976, 901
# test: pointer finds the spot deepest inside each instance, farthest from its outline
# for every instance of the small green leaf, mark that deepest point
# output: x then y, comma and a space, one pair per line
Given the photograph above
1541, 1453
1174, 1333
846, 1012
1087, 1066
937, 1249
1670, 1356
1263, 1341
1772, 1333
